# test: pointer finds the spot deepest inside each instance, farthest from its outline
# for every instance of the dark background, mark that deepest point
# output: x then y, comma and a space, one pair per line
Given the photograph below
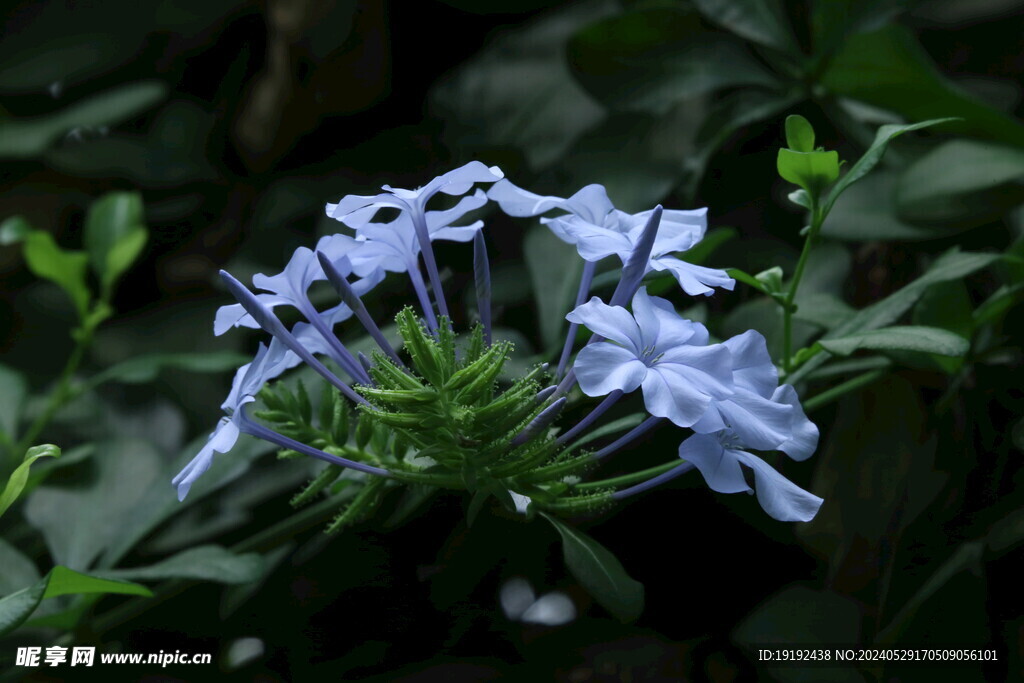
271, 109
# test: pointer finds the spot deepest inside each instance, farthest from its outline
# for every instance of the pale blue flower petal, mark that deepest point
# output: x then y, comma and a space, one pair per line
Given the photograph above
752, 367
660, 326
719, 466
671, 396
515, 201
692, 278
604, 367
804, 440
592, 242
758, 422
780, 498
612, 322
706, 366
221, 441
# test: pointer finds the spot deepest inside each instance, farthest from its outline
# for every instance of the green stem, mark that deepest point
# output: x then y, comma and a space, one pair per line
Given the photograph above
58, 398
558, 470
846, 387
625, 479
573, 505
787, 306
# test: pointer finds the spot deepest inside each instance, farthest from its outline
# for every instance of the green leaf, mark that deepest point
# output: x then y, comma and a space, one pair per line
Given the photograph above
813, 171
115, 233
80, 520
482, 101
888, 68
555, 273
799, 134
946, 305
30, 137
762, 21
963, 182
600, 573
867, 211
65, 268
202, 563
650, 59
19, 606
952, 265
19, 571
13, 394
873, 155
903, 338
142, 369
18, 479
13, 230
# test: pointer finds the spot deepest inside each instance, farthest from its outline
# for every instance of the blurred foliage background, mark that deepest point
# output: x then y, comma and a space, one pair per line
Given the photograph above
235, 122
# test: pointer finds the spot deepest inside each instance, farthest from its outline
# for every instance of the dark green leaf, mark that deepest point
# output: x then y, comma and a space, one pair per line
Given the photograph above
799, 134
873, 155
19, 571
867, 211
65, 268
600, 573
13, 393
903, 338
202, 563
30, 137
19, 477
79, 521
952, 265
946, 305
555, 273
888, 68
962, 182
762, 21
142, 369
648, 60
17, 607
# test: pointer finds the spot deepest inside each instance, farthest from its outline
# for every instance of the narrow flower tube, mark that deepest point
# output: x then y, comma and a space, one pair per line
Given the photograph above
482, 275
597, 412
635, 433
270, 323
636, 267
423, 235
353, 301
420, 287
680, 469
247, 426
585, 280
540, 423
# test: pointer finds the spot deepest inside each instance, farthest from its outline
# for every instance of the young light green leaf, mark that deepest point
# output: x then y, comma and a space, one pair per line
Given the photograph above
799, 134
874, 154
114, 233
813, 171
600, 572
19, 606
18, 479
902, 338
202, 563
65, 268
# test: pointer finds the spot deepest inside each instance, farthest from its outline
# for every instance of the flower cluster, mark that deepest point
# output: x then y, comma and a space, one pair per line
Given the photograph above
434, 404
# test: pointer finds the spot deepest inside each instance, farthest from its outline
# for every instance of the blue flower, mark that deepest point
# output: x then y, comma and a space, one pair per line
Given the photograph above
394, 246
657, 350
599, 230
719, 458
269, 363
356, 211
290, 287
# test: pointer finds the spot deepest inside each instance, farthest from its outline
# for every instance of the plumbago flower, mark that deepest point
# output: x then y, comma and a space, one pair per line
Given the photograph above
434, 411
